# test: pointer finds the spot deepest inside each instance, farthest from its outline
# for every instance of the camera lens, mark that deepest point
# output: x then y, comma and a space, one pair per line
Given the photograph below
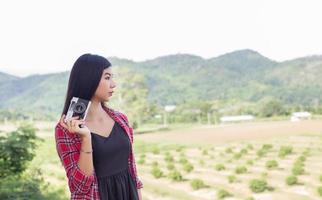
79, 108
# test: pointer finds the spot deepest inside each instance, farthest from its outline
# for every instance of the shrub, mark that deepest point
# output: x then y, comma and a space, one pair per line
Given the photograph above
205, 152
155, 163
301, 159
156, 150
297, 170
243, 151
232, 179
221, 194
306, 152
30, 185
168, 158
291, 180
182, 154
19, 180
271, 164
142, 156
298, 162
188, 167
220, 167
250, 198
320, 190
267, 147
237, 156
250, 162
257, 185
197, 184
284, 151
240, 170
229, 150
17, 149
141, 161
179, 149
320, 178
250, 147
264, 174
261, 153
183, 160
201, 162
170, 166
156, 172
175, 175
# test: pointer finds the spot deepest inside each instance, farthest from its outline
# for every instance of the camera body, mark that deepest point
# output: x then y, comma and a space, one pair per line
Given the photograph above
77, 107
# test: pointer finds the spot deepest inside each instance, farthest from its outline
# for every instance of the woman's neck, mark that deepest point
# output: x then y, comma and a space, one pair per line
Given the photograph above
95, 112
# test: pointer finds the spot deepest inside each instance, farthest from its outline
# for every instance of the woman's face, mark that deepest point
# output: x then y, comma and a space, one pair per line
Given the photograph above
106, 86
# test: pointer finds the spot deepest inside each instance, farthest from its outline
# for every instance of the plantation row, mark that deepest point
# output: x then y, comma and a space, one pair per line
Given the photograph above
242, 164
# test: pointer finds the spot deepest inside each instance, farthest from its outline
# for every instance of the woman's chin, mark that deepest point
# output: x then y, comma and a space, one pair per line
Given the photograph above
107, 98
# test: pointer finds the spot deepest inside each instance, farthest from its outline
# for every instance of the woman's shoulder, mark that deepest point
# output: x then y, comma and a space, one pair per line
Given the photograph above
118, 114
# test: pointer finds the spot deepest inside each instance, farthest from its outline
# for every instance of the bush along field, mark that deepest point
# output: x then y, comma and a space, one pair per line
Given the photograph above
287, 168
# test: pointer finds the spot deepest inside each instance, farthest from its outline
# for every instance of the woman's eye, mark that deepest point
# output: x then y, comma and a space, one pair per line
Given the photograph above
107, 78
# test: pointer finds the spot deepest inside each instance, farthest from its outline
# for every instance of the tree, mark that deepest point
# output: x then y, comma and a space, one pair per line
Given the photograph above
17, 148
272, 108
132, 96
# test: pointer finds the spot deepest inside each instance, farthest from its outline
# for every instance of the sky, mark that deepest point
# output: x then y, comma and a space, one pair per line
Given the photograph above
39, 36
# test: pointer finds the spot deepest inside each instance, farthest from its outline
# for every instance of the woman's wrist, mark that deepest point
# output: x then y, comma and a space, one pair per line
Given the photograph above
86, 136
87, 151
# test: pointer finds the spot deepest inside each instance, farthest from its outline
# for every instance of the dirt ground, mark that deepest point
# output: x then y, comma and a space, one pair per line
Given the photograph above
234, 132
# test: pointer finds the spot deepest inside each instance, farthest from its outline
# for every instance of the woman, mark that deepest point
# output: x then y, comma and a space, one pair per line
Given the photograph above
97, 152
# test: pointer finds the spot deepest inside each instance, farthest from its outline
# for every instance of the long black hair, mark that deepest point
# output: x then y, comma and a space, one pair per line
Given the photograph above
85, 77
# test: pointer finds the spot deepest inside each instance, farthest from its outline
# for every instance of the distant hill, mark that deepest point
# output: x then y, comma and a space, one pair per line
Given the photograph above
243, 75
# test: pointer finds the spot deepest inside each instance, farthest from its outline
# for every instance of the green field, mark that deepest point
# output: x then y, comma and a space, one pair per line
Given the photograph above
262, 160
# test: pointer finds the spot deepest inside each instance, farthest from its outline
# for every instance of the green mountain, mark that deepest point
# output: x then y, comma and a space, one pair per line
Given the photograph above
239, 76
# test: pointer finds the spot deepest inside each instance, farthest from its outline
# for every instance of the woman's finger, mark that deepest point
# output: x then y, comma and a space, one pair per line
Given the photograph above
62, 122
69, 123
72, 118
76, 117
62, 117
73, 123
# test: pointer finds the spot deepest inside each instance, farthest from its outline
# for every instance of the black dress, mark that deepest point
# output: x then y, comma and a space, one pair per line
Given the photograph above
110, 159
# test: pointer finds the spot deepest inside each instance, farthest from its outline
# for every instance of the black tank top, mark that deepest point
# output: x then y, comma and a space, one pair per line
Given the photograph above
110, 154
110, 159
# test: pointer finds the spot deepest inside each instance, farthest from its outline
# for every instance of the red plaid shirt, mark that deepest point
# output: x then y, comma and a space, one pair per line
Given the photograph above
82, 186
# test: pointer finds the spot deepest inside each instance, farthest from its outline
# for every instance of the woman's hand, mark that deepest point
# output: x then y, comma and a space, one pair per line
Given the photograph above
73, 126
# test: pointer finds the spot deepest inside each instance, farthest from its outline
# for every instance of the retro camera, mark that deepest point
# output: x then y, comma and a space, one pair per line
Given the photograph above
77, 107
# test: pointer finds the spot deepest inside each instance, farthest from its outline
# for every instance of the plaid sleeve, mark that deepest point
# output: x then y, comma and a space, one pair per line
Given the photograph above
78, 181
139, 183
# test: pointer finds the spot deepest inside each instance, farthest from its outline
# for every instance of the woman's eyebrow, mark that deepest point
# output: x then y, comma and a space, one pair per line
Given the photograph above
107, 73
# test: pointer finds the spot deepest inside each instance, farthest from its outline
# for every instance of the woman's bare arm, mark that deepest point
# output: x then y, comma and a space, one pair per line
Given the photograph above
85, 161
